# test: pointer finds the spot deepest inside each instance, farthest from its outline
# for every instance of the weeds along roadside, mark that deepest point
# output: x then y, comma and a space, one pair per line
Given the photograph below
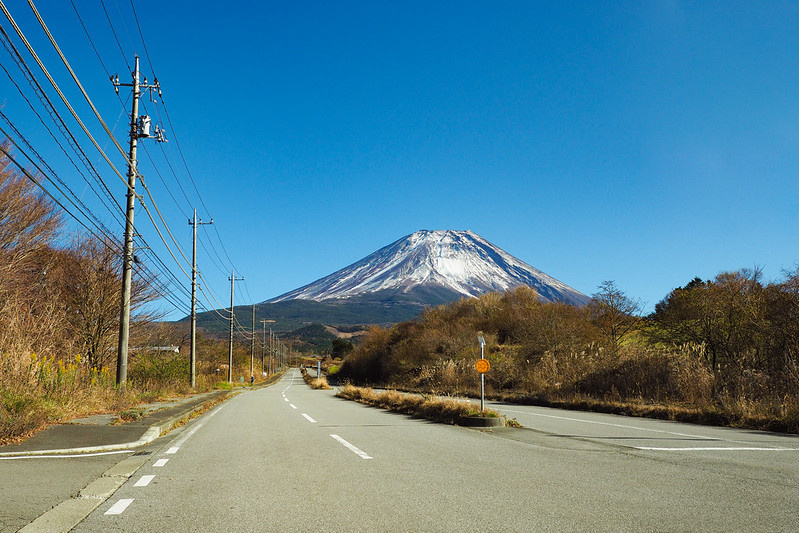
443, 410
637, 383
51, 390
448, 411
556, 355
315, 383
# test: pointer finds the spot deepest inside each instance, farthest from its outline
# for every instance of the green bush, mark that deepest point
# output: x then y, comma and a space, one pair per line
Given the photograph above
155, 367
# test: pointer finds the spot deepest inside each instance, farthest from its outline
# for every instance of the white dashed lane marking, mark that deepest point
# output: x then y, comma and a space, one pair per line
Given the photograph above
352, 448
161, 462
144, 481
311, 420
120, 506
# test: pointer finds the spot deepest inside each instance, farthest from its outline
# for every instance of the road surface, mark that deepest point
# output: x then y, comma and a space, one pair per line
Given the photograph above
288, 458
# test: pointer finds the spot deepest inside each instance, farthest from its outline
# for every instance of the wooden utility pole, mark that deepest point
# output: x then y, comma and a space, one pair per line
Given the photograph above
252, 346
194, 223
265, 364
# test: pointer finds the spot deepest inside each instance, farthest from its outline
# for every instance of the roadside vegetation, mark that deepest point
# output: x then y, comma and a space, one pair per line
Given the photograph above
60, 297
319, 382
721, 351
445, 410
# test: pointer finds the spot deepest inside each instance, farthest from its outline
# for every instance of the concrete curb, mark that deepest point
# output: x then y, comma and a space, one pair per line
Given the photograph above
149, 435
482, 422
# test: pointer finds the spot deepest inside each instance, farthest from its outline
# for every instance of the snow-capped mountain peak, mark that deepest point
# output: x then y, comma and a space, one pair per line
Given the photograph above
460, 262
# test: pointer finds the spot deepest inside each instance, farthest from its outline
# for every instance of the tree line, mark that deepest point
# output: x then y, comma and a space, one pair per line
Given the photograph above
60, 299
59, 293
726, 347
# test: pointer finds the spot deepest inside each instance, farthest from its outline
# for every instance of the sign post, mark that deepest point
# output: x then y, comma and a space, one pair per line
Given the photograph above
482, 366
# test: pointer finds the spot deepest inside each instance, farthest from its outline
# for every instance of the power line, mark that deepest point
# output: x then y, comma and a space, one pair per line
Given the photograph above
61, 94
100, 119
39, 184
124, 56
54, 115
155, 167
118, 146
77, 203
174, 135
66, 102
103, 237
143, 42
61, 146
176, 141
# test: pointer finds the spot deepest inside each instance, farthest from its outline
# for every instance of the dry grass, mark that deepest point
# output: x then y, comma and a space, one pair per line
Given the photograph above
643, 382
680, 367
52, 390
319, 383
448, 411
315, 383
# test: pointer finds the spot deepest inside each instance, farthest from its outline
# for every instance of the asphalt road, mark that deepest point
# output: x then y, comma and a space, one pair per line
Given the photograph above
29, 487
287, 458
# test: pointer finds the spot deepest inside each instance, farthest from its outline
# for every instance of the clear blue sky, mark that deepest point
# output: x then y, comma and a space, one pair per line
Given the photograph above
641, 142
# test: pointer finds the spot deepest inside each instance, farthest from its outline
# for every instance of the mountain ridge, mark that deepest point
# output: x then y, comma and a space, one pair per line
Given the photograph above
460, 263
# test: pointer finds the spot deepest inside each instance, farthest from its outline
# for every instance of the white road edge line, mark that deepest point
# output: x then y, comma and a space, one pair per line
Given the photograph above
612, 425
716, 449
144, 481
351, 448
161, 462
120, 506
311, 420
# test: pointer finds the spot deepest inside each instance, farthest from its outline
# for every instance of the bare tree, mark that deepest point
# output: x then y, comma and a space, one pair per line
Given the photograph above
92, 290
29, 314
614, 313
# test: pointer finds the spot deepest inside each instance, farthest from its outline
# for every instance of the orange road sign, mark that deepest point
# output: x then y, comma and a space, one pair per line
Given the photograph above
482, 366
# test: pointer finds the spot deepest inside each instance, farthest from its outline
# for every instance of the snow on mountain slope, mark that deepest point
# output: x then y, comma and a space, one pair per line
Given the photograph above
459, 261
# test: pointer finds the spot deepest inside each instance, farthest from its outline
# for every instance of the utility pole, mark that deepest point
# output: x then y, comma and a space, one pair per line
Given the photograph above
194, 223
252, 346
265, 365
138, 129
233, 279
263, 347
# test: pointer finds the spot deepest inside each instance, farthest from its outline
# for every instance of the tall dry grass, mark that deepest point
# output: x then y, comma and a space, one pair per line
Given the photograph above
59, 296
317, 383
445, 410
50, 390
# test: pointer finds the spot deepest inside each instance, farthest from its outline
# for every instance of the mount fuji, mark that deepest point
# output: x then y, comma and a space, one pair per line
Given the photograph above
430, 268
